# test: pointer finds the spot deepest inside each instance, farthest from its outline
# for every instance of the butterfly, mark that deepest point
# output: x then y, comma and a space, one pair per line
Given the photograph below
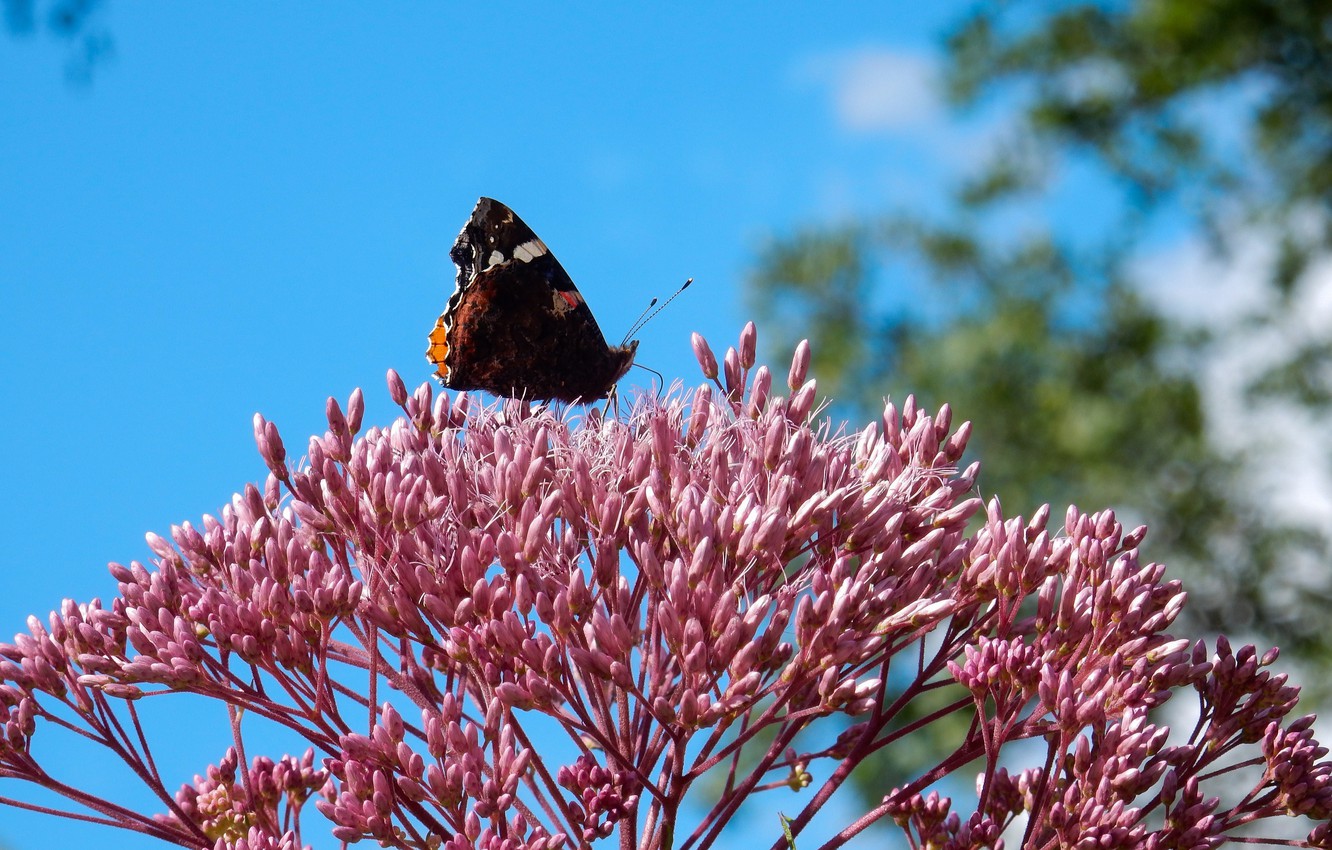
516, 325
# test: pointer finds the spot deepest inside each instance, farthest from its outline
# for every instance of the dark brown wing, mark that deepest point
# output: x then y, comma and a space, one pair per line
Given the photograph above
494, 234
517, 325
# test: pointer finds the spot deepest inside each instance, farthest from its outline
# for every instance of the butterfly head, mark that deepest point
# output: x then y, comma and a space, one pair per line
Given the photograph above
621, 358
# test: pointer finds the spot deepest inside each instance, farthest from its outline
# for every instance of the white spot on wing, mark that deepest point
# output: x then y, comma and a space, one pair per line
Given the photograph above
561, 305
494, 259
529, 251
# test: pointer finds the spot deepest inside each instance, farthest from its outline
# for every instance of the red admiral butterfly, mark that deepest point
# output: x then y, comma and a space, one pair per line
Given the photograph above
516, 325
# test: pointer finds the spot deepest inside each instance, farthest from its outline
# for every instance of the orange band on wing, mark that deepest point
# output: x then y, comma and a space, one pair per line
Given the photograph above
439, 347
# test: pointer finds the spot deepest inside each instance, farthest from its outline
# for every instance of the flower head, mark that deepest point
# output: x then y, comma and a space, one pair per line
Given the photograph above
590, 614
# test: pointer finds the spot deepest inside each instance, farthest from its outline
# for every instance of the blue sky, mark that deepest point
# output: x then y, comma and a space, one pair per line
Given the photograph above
250, 207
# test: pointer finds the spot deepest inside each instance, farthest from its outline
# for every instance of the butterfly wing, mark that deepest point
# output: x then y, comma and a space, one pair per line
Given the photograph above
516, 324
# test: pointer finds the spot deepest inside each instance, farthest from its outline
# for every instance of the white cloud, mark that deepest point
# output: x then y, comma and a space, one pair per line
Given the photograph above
1190, 282
893, 134
878, 89
1287, 443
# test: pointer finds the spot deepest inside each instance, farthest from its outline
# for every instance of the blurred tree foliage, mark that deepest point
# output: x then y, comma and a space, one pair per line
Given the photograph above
1130, 81
1219, 112
72, 21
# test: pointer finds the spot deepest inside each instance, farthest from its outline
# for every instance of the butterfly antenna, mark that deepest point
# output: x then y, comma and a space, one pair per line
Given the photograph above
645, 317
638, 323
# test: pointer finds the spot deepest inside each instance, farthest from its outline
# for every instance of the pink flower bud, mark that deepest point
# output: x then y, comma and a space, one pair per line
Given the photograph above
748, 345
706, 360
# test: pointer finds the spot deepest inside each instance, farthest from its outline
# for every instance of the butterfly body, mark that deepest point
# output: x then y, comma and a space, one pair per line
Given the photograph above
516, 325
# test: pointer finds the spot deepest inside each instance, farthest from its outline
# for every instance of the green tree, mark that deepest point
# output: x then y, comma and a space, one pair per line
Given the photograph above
1218, 113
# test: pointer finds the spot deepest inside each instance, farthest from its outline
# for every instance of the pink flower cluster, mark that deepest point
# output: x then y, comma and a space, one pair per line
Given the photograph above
222, 806
503, 626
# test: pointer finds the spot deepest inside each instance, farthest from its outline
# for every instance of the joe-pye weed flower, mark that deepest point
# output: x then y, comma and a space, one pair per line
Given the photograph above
506, 626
